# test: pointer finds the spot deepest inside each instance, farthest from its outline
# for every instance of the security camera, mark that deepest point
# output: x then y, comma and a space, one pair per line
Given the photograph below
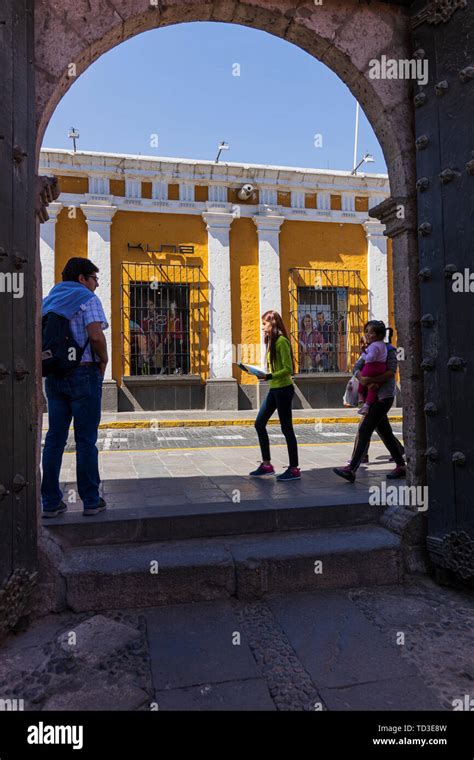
245, 192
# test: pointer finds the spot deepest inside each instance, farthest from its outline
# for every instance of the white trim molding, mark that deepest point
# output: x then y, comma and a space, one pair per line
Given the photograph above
377, 270
348, 202
133, 188
159, 190
217, 194
220, 313
99, 221
268, 231
297, 199
99, 185
48, 246
186, 192
323, 201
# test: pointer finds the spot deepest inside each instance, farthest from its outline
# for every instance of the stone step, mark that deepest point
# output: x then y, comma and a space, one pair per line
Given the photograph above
124, 575
178, 522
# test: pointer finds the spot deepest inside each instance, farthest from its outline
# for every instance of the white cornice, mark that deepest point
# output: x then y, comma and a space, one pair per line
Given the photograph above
374, 228
98, 213
149, 168
150, 206
268, 223
54, 209
217, 220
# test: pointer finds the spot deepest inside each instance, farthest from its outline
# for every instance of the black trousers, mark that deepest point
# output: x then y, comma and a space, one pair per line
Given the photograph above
278, 399
376, 419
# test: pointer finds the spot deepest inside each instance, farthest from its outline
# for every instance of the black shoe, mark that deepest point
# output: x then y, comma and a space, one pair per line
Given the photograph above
94, 510
346, 473
62, 507
399, 472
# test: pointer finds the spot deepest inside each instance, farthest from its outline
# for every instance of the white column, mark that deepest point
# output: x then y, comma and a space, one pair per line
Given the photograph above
377, 270
47, 247
268, 230
99, 220
220, 316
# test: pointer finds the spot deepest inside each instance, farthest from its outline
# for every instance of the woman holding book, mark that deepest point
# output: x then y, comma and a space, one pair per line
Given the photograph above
280, 367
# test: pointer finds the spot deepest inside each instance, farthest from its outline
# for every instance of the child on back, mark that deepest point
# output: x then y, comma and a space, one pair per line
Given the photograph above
375, 363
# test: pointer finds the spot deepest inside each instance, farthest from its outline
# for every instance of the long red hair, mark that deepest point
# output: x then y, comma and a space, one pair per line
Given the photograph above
278, 328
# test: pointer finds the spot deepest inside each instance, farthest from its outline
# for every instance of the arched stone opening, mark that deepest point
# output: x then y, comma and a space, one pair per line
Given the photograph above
345, 36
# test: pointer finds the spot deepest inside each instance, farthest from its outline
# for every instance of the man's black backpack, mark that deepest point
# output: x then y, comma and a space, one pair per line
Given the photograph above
61, 353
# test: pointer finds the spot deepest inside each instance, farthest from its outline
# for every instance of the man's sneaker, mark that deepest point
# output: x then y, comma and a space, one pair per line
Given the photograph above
399, 472
263, 469
346, 473
292, 473
94, 510
62, 507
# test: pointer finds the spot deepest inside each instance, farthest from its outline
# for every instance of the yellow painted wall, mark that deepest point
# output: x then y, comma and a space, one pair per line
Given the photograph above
173, 192
156, 229
321, 245
284, 199
117, 187
71, 239
310, 200
147, 189
245, 295
73, 184
316, 245
201, 193
361, 203
336, 202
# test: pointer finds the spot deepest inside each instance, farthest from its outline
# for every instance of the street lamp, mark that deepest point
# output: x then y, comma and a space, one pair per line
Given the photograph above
221, 147
74, 135
367, 159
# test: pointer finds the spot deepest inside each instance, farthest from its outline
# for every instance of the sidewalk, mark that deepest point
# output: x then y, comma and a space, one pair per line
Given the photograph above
203, 418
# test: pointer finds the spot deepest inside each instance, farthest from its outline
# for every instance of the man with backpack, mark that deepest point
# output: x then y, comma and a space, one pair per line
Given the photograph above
74, 361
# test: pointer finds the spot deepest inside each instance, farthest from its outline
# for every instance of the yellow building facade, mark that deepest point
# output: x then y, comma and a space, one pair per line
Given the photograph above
191, 253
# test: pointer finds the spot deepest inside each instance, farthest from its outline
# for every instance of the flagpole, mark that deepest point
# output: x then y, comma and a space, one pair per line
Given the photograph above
356, 138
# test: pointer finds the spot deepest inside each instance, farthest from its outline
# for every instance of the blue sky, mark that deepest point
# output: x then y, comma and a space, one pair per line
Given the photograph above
178, 83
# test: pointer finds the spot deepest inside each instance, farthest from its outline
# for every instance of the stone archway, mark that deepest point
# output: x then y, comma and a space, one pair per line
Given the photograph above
344, 35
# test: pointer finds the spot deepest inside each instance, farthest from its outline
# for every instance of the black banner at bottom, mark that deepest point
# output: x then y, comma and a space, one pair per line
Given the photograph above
375, 734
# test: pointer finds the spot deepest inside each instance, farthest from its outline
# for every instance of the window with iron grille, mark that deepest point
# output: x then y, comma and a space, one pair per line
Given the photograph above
328, 309
161, 319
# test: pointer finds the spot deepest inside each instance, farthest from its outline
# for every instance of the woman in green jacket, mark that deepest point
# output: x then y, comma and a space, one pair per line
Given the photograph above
279, 361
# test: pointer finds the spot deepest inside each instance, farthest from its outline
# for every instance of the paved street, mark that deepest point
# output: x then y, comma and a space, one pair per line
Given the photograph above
152, 468
138, 439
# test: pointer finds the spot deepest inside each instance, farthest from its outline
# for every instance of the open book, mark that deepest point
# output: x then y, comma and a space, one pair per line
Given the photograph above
250, 369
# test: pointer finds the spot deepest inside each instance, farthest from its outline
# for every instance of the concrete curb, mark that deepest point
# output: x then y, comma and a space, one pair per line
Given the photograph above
154, 424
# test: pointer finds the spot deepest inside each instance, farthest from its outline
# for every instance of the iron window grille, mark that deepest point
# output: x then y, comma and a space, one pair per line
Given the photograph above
162, 319
328, 310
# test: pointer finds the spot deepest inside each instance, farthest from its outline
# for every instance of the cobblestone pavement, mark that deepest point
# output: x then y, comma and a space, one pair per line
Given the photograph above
338, 650
138, 439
